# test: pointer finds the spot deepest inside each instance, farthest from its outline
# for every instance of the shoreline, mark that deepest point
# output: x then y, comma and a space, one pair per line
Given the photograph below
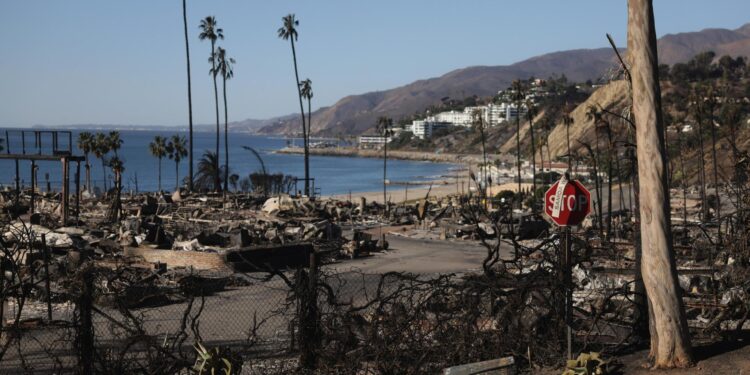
398, 194
461, 159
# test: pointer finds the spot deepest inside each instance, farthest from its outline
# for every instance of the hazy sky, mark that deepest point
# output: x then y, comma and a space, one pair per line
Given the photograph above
123, 62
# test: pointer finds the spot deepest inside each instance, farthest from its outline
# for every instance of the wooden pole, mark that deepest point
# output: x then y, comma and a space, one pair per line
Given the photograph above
46, 277
65, 192
78, 190
568, 294
33, 186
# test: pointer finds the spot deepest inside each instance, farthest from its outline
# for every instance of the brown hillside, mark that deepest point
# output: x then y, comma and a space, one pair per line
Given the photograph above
357, 113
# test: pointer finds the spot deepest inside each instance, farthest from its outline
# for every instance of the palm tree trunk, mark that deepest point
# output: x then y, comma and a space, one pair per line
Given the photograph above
226, 138
716, 166
541, 159
599, 192
609, 184
160, 173
88, 174
484, 162
567, 140
307, 135
684, 179
190, 98
177, 175
670, 341
704, 205
302, 112
385, 177
518, 152
533, 159
217, 178
104, 174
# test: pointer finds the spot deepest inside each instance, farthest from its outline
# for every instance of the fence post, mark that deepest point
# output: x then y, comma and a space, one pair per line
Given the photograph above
46, 276
309, 333
86, 329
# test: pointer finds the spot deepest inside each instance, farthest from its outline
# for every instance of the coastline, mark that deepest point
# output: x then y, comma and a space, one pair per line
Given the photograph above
403, 193
392, 154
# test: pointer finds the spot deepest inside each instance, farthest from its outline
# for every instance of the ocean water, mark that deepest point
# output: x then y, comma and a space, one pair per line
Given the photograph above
333, 175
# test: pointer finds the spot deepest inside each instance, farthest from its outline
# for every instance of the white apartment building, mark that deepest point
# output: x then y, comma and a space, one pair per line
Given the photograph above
425, 128
512, 112
454, 117
373, 140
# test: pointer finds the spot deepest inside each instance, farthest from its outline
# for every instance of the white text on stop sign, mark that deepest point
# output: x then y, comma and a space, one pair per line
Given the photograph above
570, 203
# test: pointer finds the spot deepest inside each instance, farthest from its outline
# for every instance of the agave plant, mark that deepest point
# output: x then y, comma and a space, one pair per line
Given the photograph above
218, 360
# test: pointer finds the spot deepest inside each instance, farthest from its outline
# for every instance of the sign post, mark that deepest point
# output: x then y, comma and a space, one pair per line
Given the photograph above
567, 203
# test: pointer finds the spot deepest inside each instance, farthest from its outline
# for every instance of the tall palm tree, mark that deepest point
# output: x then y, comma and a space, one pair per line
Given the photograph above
697, 104
567, 122
288, 31
100, 150
210, 31
518, 96
594, 114
478, 121
86, 145
384, 127
177, 151
223, 65
530, 113
158, 149
117, 166
190, 95
604, 126
711, 107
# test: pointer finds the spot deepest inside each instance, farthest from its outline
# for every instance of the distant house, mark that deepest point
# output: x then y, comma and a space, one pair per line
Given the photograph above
373, 140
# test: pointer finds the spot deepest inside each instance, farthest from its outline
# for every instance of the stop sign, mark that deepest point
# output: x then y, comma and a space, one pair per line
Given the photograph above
567, 202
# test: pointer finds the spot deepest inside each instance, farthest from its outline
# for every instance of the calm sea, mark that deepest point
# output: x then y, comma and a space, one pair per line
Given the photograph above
333, 175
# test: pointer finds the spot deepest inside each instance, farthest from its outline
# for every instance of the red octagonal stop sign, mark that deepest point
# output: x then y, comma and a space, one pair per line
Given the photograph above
567, 202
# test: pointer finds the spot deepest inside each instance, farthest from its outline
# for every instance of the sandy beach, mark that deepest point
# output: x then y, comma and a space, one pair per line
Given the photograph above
399, 194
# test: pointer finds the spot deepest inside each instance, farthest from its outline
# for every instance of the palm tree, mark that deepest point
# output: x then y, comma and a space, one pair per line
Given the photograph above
384, 128
233, 180
711, 106
205, 178
697, 101
158, 149
177, 151
101, 147
86, 145
307, 93
210, 31
288, 31
530, 113
223, 65
568, 121
115, 142
518, 96
478, 121
594, 114
190, 95
117, 167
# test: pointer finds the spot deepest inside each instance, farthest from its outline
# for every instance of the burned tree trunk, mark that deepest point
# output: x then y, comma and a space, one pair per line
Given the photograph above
670, 342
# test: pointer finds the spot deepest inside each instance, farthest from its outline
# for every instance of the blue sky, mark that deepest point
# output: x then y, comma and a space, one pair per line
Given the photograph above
122, 62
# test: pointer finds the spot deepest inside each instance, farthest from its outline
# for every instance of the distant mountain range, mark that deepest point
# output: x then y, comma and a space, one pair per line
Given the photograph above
355, 114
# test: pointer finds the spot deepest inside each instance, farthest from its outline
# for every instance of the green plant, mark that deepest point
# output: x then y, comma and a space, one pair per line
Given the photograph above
218, 360
586, 364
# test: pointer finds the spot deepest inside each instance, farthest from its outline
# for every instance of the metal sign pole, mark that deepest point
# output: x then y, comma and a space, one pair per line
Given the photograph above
568, 292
